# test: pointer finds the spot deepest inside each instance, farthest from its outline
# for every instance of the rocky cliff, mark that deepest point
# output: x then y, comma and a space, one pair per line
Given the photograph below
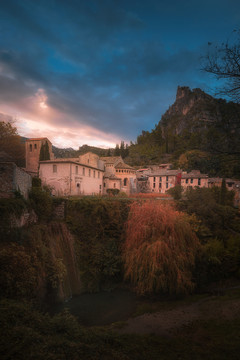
194, 109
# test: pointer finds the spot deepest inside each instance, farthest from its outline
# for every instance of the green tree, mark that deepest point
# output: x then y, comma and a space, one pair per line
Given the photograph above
223, 192
117, 151
10, 143
44, 152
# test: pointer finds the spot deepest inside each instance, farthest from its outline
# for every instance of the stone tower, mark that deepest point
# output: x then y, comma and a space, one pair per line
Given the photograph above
33, 147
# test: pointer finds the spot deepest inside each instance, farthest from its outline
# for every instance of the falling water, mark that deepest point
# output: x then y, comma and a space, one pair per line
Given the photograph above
61, 243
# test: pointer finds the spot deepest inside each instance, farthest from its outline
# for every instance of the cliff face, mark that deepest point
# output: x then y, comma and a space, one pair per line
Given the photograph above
194, 109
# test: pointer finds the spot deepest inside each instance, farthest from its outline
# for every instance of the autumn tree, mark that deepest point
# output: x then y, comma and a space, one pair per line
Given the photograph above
160, 249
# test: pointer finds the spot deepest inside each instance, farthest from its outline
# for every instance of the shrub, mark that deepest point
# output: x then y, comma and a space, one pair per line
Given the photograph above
36, 182
160, 249
113, 192
176, 192
99, 228
41, 202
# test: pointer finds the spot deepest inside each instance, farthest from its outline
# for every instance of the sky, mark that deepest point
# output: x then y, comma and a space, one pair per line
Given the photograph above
100, 71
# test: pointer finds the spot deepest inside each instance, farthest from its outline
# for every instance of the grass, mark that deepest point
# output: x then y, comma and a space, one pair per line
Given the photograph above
28, 334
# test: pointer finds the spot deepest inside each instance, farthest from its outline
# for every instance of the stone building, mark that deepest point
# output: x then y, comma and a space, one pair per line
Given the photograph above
73, 176
231, 184
162, 180
33, 148
194, 178
119, 175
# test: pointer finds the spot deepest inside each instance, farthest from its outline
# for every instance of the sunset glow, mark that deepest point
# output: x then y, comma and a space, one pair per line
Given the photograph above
100, 72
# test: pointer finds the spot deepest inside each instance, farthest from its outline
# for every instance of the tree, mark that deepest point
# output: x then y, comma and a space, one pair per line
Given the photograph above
117, 150
44, 152
10, 143
224, 62
159, 250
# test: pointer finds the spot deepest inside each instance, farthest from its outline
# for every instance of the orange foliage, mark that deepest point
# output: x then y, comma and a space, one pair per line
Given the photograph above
160, 249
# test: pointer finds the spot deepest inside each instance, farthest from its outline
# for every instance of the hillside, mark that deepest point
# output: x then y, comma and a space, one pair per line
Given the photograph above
70, 152
197, 131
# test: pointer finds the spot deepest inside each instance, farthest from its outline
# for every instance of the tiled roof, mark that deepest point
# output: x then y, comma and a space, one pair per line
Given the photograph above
68, 160
111, 159
194, 175
122, 165
36, 139
111, 177
163, 172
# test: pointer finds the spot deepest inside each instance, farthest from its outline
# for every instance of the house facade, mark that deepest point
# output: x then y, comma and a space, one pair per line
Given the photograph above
231, 184
194, 178
73, 176
119, 175
162, 180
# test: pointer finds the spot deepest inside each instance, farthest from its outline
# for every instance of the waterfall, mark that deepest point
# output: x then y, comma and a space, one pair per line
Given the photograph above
61, 244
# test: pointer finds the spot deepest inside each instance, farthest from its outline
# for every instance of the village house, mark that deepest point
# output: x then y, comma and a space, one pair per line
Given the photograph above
231, 184
86, 175
194, 178
73, 176
119, 175
162, 180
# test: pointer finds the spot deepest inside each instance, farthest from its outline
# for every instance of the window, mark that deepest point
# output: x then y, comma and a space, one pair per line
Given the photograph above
78, 185
167, 185
199, 182
125, 182
154, 184
89, 172
160, 179
186, 181
160, 185
83, 171
166, 178
35, 146
114, 185
54, 168
104, 184
76, 170
98, 174
100, 187
154, 179
94, 173
191, 181
30, 146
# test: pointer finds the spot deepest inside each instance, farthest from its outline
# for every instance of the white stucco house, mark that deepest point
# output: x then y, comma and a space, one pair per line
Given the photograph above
73, 176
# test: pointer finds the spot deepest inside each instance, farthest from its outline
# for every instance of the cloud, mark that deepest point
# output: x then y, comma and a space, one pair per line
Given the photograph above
112, 66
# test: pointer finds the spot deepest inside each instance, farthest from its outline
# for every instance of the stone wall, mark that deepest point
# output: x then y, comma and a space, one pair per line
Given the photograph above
59, 211
6, 180
22, 182
12, 179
